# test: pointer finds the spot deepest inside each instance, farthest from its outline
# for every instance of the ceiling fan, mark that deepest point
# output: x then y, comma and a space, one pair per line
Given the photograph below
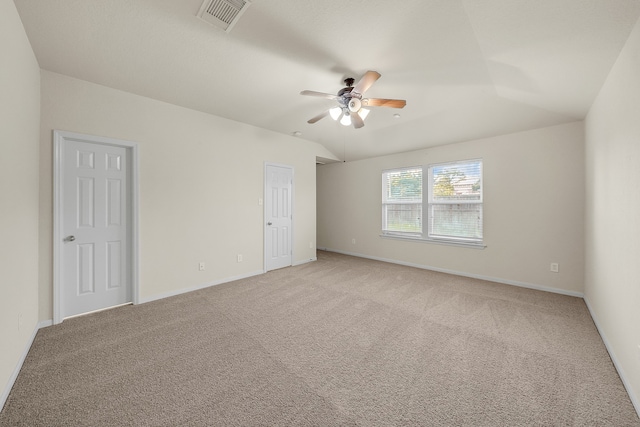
351, 103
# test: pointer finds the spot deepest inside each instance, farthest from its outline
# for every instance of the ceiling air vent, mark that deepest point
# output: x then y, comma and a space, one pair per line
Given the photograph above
223, 13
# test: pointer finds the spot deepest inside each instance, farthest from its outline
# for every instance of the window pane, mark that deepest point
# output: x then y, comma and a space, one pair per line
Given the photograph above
456, 220
403, 185
456, 182
403, 217
402, 200
455, 200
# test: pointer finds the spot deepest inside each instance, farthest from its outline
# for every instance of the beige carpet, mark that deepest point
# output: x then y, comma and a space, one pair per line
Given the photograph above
339, 342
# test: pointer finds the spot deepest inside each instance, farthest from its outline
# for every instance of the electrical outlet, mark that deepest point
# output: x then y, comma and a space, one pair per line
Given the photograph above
239, 258
353, 241
638, 353
310, 245
201, 266
19, 321
554, 267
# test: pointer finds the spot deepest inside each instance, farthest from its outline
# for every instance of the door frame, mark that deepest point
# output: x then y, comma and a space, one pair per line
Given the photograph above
59, 139
264, 210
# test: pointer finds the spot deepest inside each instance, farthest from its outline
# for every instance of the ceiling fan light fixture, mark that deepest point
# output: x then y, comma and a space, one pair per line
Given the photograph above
335, 112
346, 119
354, 105
363, 113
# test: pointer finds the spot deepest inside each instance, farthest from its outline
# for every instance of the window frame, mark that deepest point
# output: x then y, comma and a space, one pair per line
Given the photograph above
426, 235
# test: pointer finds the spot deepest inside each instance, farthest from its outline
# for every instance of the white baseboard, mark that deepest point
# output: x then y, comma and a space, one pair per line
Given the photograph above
306, 261
464, 274
45, 323
614, 359
23, 356
198, 287
209, 284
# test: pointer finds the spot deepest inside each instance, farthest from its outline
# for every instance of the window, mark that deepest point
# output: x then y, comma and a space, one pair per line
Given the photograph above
452, 202
402, 201
455, 201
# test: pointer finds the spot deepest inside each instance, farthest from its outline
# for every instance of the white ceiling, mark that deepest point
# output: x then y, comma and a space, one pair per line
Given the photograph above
467, 68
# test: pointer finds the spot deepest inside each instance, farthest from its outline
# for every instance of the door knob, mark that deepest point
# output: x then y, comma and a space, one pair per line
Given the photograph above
268, 223
70, 239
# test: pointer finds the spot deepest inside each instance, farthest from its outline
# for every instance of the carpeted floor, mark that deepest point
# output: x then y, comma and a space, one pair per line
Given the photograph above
338, 342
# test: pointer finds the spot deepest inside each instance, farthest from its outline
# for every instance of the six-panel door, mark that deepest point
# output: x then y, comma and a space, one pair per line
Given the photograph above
95, 211
278, 216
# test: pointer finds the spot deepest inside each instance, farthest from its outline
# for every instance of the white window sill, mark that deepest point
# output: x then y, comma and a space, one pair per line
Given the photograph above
471, 245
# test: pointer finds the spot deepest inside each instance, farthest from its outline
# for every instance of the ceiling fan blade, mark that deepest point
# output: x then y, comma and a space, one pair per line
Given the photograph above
318, 117
319, 94
366, 81
357, 120
381, 102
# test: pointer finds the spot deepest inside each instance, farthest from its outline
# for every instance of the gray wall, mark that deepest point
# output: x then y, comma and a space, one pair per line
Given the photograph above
201, 178
533, 209
612, 286
19, 126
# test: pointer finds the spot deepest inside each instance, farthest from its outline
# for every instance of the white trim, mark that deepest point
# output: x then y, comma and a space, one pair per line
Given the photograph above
464, 274
16, 371
59, 138
625, 382
135, 223
306, 261
461, 243
264, 211
45, 324
98, 310
198, 287
57, 223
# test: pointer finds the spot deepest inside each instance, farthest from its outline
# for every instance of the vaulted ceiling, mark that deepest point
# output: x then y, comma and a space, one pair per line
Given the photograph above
467, 68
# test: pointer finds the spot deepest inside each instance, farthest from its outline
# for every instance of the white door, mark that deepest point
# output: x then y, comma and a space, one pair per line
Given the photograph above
95, 231
278, 186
